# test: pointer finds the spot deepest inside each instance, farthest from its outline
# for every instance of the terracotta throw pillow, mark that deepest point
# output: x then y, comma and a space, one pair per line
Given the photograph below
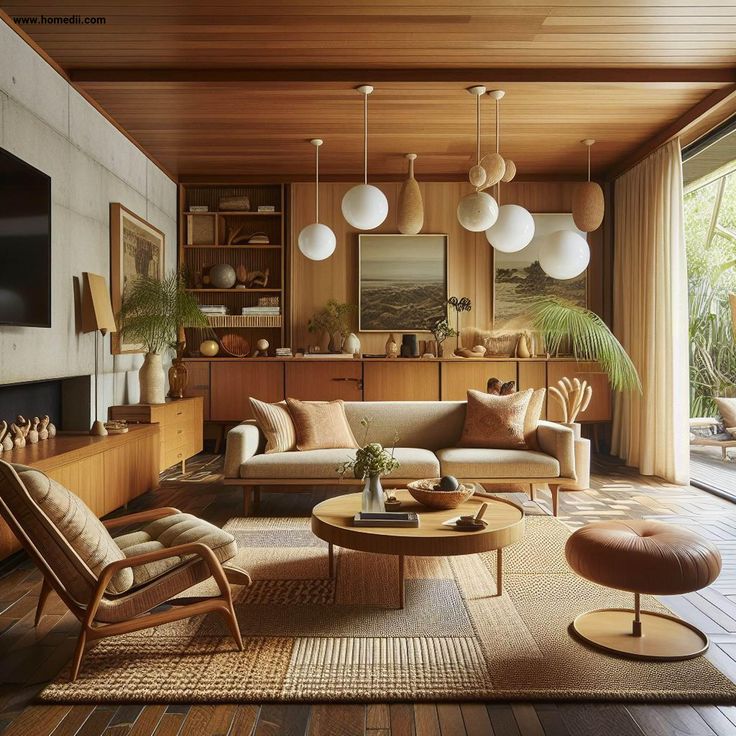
276, 424
321, 425
496, 422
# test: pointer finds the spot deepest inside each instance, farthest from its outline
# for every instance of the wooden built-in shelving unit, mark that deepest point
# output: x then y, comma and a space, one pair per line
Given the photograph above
214, 229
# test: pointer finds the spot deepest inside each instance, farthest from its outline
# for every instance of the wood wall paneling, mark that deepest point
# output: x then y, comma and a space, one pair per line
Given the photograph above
401, 380
233, 383
457, 378
325, 380
533, 374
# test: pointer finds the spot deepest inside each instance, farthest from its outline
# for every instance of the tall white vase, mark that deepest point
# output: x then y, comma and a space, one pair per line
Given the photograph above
151, 379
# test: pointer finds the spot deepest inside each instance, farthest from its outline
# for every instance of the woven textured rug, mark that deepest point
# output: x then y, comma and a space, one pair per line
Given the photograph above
309, 638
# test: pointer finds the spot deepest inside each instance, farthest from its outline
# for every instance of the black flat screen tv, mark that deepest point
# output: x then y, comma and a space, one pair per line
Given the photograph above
25, 243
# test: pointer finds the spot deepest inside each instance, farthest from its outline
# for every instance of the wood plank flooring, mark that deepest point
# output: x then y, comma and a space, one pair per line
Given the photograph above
30, 657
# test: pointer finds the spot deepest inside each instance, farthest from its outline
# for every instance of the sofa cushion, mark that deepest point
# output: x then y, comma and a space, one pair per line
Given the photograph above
414, 463
275, 421
320, 425
171, 531
474, 462
496, 421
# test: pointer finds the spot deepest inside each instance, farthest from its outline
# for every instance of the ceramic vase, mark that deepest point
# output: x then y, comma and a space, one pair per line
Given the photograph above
392, 349
351, 344
522, 347
151, 380
373, 499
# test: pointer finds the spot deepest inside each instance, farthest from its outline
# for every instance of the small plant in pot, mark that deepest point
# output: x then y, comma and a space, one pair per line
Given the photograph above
334, 320
441, 331
371, 462
153, 314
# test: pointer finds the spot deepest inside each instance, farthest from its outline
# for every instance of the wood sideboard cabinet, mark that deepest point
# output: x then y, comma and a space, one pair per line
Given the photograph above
105, 472
181, 423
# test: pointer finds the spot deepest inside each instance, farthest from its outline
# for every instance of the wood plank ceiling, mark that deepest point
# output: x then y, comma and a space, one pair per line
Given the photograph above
236, 88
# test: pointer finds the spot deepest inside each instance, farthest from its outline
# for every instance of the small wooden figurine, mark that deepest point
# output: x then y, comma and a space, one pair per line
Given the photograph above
6, 441
19, 435
43, 427
33, 430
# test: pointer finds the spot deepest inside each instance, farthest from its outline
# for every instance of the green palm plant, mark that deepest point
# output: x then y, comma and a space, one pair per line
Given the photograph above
153, 310
561, 323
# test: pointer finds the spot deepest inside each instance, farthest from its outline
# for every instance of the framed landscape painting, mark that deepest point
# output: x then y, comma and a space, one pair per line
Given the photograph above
402, 282
136, 249
518, 277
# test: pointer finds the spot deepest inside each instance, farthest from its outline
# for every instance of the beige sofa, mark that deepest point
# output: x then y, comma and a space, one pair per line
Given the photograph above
428, 435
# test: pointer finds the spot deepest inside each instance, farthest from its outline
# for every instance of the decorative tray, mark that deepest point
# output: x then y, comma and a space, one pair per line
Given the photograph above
386, 519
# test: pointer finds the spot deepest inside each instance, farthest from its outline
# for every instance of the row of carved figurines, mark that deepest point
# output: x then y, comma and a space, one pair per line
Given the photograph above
24, 432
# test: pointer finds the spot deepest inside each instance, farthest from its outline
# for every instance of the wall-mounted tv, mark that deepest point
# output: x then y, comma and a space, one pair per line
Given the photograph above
25, 243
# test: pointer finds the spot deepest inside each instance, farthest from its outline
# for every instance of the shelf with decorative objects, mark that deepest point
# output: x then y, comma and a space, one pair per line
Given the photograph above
232, 249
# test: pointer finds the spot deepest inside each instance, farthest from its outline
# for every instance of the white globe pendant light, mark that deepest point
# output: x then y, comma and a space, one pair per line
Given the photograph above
564, 255
317, 241
364, 206
514, 228
477, 211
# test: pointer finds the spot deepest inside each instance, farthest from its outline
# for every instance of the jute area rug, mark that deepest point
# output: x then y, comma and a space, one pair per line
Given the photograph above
309, 638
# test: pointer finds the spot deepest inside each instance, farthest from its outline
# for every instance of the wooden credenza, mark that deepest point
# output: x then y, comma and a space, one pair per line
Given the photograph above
180, 422
105, 472
226, 384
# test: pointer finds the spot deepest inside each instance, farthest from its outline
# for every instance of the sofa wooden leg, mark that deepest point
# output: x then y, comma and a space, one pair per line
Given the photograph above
42, 598
247, 500
554, 490
531, 491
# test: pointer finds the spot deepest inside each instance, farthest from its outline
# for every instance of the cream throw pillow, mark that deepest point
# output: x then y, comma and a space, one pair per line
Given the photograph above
533, 415
496, 422
276, 424
727, 410
321, 425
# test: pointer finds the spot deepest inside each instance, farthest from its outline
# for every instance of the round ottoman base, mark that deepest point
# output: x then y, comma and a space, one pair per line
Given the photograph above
663, 637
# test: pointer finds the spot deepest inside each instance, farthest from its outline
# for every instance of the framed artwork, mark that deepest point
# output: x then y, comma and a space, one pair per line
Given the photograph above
518, 276
136, 248
402, 282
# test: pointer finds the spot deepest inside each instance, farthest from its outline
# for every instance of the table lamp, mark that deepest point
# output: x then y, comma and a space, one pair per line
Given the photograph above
97, 317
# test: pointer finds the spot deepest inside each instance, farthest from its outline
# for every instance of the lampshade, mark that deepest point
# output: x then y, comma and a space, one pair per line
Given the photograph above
477, 211
564, 255
96, 308
364, 206
513, 230
317, 241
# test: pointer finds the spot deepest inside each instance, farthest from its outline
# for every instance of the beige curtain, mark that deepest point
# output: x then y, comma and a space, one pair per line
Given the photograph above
650, 431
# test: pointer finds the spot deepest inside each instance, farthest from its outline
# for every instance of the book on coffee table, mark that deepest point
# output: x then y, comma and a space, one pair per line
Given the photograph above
386, 518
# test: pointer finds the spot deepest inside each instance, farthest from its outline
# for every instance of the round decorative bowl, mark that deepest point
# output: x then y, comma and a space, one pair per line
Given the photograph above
424, 492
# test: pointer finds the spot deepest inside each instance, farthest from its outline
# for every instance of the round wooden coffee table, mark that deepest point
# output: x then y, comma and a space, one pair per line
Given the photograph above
332, 521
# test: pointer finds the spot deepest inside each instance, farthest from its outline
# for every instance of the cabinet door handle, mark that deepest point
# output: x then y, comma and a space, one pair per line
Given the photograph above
358, 381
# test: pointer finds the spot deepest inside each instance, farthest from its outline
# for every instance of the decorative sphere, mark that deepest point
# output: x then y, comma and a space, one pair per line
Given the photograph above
222, 276
510, 172
477, 175
317, 241
209, 348
477, 211
513, 230
262, 345
364, 206
495, 167
588, 206
448, 483
564, 255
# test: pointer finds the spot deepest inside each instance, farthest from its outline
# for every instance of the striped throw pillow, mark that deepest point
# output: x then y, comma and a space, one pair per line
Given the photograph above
276, 424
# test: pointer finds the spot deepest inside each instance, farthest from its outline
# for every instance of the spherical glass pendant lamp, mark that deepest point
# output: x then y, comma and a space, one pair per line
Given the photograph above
364, 206
564, 255
477, 211
317, 241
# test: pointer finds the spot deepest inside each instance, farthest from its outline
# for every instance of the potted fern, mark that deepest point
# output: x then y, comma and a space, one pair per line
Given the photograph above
562, 323
152, 313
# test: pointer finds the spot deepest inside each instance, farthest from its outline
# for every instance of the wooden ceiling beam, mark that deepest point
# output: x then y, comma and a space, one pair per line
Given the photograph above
663, 75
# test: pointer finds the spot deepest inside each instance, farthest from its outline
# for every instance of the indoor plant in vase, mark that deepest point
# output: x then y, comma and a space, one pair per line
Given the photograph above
370, 463
152, 313
441, 331
334, 320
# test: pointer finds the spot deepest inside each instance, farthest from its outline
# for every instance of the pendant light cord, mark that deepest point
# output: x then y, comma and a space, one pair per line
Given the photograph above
498, 147
588, 147
365, 139
477, 129
316, 185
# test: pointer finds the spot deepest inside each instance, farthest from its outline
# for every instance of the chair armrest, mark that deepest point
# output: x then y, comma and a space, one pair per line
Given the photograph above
149, 515
559, 442
243, 441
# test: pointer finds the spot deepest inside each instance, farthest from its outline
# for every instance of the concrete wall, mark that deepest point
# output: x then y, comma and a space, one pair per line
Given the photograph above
47, 123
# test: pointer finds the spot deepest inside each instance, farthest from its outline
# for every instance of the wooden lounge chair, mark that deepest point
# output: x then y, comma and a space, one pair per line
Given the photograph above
724, 440
113, 585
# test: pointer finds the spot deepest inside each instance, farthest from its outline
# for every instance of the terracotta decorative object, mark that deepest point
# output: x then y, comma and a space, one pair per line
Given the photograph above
573, 397
235, 344
151, 379
410, 210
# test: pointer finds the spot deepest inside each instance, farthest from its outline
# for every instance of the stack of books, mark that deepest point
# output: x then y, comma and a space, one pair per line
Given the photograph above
283, 353
213, 309
260, 310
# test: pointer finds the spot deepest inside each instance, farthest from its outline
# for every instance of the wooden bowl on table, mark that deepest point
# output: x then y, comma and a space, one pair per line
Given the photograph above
424, 492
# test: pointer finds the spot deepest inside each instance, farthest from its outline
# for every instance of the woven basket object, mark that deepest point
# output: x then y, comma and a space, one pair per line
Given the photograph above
423, 491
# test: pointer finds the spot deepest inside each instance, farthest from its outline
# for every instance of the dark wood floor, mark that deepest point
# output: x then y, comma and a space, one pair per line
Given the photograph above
30, 658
